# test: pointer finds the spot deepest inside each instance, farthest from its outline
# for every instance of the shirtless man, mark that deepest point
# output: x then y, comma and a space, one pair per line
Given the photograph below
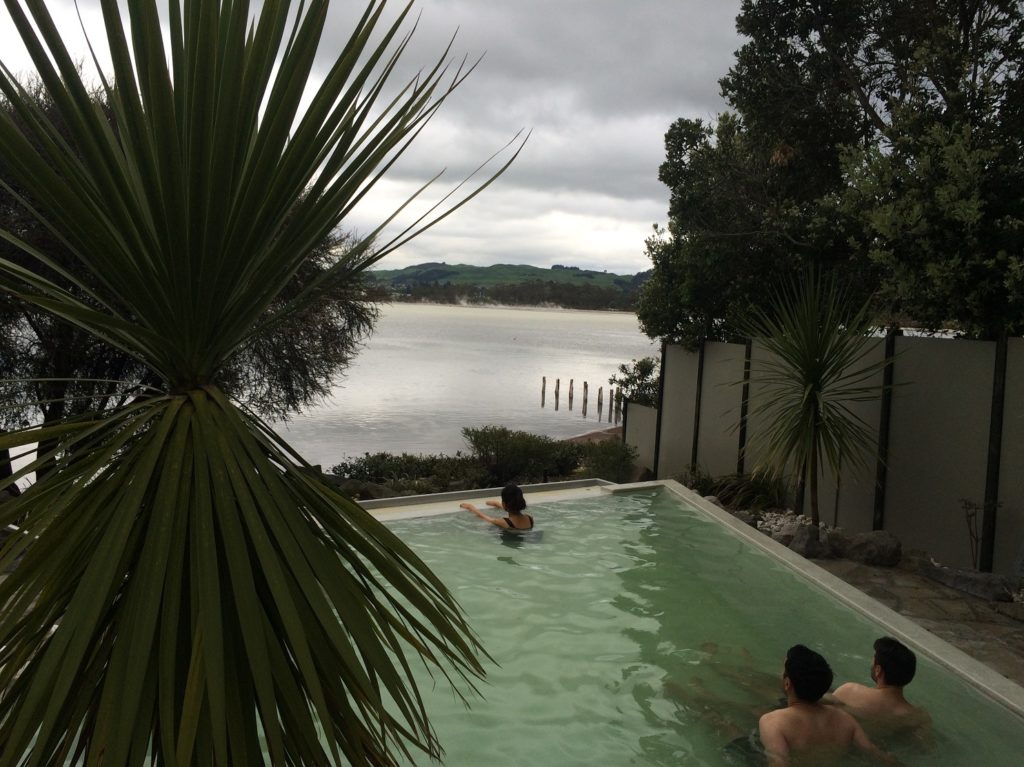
882, 708
807, 731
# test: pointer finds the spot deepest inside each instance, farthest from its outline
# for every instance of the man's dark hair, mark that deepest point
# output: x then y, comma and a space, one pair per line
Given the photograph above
898, 662
808, 672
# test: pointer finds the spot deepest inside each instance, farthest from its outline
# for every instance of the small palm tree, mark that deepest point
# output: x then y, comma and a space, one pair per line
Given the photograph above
815, 368
185, 591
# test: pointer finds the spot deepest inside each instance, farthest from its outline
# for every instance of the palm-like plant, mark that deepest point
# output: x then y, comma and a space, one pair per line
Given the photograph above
816, 367
184, 592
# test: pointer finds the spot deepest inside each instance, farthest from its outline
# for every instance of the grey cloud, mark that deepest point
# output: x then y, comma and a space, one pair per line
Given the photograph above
597, 81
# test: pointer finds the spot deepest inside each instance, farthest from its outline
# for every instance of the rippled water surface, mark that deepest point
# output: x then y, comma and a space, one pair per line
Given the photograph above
428, 371
631, 631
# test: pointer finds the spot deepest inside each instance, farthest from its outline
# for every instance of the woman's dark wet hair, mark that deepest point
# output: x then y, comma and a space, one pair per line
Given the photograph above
513, 498
808, 672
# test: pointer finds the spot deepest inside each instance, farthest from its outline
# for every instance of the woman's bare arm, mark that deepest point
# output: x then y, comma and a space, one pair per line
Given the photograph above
496, 522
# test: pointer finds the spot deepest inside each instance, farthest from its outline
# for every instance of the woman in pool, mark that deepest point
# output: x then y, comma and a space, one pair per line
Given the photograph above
513, 502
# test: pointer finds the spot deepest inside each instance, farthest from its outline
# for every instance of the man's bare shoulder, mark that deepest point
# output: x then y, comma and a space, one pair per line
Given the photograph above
851, 687
876, 706
832, 718
850, 691
777, 717
774, 718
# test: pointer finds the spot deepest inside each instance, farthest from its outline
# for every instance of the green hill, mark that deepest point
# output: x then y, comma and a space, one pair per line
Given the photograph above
498, 274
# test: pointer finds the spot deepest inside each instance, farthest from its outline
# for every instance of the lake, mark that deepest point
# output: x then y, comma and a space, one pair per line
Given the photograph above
429, 370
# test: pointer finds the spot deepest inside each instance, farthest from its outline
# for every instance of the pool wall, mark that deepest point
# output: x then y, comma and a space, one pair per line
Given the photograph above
988, 682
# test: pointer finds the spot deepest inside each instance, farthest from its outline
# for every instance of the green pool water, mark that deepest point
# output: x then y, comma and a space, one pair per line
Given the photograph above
632, 630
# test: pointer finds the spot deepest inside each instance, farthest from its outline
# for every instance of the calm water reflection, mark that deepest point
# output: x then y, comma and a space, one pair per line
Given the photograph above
430, 370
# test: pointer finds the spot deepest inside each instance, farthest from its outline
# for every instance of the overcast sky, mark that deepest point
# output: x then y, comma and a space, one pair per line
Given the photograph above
597, 82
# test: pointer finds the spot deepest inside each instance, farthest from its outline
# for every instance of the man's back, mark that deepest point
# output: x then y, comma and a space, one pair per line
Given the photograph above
810, 733
882, 710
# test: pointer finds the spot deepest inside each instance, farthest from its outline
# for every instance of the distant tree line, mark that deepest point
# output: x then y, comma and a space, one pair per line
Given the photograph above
528, 293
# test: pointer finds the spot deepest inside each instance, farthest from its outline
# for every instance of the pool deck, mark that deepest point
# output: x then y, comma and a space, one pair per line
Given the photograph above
970, 624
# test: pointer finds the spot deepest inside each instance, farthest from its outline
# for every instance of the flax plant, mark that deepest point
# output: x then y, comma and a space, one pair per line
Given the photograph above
183, 591
816, 368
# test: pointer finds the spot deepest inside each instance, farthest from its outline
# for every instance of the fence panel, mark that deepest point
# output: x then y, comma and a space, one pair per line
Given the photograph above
1009, 549
678, 408
938, 443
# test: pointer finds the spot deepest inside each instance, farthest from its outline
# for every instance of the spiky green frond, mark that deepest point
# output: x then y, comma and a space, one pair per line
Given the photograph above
815, 368
184, 590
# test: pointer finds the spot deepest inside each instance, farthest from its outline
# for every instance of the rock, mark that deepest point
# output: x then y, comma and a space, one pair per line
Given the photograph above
745, 517
878, 547
838, 542
990, 586
807, 542
787, 531
770, 522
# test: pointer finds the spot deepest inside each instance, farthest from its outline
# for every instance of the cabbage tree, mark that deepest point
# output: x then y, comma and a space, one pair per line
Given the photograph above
183, 590
816, 367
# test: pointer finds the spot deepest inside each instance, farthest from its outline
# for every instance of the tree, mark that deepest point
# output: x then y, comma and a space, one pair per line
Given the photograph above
186, 591
54, 369
918, 108
878, 140
742, 211
817, 342
639, 381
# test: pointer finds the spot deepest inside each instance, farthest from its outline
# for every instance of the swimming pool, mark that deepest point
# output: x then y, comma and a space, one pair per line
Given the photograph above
635, 629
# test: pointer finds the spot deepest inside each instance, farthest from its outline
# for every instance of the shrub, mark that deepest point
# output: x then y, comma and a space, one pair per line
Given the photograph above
499, 456
381, 467
566, 458
610, 459
698, 480
408, 473
751, 492
508, 455
639, 381
756, 491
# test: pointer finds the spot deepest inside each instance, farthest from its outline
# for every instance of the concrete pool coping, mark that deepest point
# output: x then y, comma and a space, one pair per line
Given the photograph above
990, 683
411, 506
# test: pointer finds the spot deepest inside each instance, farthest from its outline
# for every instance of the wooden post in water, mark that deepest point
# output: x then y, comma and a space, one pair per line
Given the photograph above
585, 394
611, 402
543, 389
600, 401
570, 394
558, 385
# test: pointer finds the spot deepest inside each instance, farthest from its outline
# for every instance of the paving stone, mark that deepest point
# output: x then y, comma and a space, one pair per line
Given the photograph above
907, 591
957, 610
973, 625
